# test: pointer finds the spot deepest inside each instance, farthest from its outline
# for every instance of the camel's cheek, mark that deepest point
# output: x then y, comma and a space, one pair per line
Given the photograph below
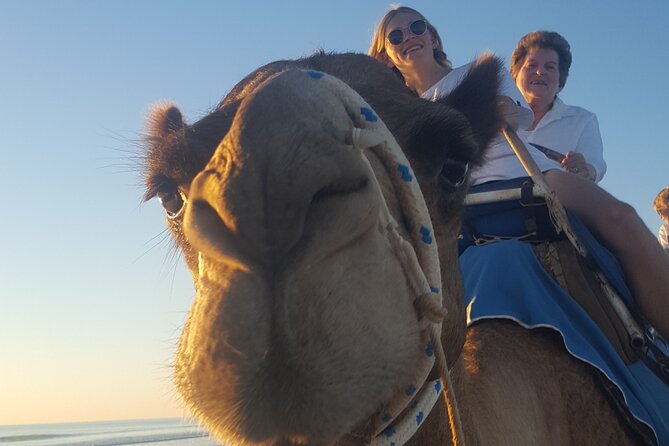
224, 345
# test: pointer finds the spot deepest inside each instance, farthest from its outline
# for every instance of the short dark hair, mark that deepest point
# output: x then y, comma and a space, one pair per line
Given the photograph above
548, 40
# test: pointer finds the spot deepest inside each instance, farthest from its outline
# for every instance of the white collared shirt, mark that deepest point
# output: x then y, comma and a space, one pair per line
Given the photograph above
567, 128
564, 128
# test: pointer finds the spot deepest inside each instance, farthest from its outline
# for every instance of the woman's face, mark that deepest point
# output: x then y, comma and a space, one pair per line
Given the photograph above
412, 48
539, 76
664, 214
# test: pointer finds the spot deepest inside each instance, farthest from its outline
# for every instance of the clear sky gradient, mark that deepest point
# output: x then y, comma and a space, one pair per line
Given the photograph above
92, 296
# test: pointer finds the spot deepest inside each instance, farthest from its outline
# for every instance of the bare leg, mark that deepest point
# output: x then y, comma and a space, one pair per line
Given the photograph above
644, 262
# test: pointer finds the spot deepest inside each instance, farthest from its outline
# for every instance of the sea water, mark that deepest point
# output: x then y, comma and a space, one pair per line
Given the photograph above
161, 432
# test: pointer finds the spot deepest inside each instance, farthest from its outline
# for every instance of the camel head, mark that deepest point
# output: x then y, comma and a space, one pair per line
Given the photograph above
303, 323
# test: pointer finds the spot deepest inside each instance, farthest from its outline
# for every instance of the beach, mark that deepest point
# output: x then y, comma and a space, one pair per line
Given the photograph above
158, 432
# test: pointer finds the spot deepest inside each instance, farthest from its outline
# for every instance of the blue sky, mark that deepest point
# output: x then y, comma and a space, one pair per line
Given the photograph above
92, 296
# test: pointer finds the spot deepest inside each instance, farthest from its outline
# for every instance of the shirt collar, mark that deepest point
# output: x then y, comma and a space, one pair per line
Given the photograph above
558, 111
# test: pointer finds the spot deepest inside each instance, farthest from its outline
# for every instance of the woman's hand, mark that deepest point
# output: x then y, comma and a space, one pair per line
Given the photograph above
574, 162
514, 115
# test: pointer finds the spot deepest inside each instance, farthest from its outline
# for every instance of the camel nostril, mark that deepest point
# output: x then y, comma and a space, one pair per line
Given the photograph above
204, 217
209, 234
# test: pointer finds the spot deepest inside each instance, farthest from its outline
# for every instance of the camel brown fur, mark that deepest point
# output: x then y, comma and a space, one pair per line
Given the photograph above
302, 325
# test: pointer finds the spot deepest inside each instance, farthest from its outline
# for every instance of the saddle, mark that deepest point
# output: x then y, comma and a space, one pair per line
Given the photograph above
523, 216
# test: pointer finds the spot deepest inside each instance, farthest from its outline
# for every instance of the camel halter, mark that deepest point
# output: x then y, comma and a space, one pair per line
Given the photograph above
398, 420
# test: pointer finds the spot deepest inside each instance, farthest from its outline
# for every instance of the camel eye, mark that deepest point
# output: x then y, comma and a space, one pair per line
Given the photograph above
454, 173
172, 201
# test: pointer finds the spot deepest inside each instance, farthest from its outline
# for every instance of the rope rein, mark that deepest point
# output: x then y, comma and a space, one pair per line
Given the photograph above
398, 420
402, 417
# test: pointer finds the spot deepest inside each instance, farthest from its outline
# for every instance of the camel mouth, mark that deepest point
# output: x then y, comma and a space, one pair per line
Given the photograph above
208, 233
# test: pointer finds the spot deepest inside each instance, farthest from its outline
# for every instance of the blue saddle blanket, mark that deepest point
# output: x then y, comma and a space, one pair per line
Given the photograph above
509, 220
506, 280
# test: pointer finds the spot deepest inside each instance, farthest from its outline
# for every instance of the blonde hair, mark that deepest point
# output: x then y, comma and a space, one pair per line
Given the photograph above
378, 47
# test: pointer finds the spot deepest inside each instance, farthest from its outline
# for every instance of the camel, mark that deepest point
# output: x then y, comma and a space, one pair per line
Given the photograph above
304, 322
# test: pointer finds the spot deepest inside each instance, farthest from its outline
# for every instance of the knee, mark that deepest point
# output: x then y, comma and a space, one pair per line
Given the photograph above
619, 211
622, 217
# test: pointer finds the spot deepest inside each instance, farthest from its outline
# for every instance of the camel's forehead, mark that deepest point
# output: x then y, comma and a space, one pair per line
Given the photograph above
295, 111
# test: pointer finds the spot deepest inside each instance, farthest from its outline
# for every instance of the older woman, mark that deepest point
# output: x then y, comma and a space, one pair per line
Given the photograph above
407, 42
540, 66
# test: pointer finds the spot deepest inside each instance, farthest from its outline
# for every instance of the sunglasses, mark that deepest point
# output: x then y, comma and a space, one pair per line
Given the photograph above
417, 28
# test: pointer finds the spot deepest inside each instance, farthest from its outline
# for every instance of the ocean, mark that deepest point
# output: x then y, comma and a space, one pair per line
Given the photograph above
160, 432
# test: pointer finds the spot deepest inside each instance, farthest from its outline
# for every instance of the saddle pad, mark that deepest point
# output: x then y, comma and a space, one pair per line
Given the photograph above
506, 280
507, 220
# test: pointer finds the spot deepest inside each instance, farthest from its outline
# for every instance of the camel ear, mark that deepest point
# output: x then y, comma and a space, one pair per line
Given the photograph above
476, 98
164, 120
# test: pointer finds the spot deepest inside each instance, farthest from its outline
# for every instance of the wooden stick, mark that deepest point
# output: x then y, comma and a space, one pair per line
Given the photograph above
525, 158
561, 221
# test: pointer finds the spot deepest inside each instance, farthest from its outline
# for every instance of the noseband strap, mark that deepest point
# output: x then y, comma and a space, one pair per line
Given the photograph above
400, 418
